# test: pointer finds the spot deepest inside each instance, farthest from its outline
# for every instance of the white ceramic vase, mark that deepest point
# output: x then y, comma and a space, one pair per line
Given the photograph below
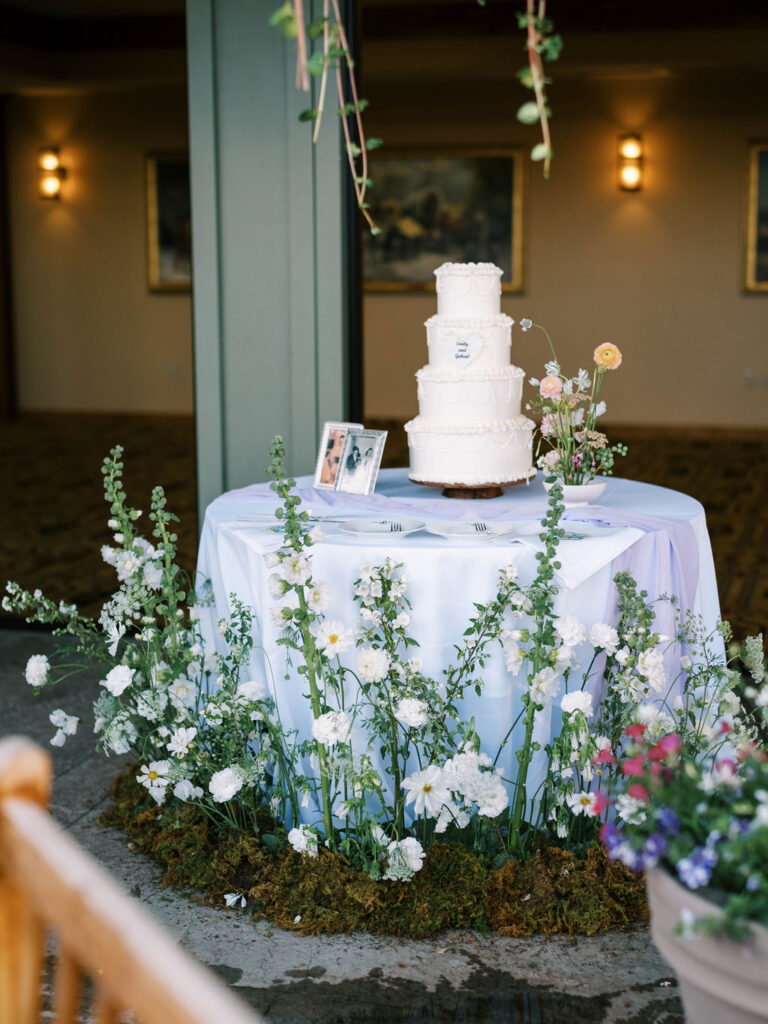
581, 494
721, 981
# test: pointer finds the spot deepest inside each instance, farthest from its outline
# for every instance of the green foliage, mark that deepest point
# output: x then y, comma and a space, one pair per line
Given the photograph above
284, 19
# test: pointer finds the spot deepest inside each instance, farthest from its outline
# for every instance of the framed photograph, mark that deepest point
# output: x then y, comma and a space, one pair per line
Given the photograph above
756, 262
433, 207
360, 460
169, 220
329, 454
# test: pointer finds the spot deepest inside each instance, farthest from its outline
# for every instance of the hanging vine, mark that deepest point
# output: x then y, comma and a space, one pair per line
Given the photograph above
332, 55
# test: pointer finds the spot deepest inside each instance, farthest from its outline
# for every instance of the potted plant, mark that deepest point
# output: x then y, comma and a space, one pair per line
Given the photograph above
570, 407
694, 817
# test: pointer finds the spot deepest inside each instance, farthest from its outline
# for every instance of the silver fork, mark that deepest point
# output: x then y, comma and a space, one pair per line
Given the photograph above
395, 527
481, 528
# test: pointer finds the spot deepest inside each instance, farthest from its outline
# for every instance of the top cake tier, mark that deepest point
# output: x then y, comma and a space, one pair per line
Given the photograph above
468, 290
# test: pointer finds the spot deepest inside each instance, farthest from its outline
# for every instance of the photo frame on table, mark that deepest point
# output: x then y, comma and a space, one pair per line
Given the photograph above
444, 205
169, 223
360, 460
756, 233
329, 454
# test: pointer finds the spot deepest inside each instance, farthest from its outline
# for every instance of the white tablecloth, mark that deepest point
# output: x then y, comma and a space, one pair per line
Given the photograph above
658, 534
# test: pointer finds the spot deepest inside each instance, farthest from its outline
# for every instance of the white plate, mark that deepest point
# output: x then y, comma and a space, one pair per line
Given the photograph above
475, 529
381, 527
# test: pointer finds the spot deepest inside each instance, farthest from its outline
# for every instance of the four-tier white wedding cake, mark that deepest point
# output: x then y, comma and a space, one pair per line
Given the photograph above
469, 430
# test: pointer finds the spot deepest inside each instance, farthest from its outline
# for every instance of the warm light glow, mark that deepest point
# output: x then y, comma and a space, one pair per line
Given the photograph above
50, 186
630, 176
630, 148
630, 163
49, 159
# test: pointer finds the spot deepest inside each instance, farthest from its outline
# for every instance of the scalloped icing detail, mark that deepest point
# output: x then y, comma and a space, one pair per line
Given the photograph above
458, 374
467, 269
421, 426
469, 322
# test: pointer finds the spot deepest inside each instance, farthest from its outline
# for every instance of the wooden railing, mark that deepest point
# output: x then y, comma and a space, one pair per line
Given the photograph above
55, 898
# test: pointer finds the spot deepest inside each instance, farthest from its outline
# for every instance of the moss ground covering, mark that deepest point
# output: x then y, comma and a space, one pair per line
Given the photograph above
556, 891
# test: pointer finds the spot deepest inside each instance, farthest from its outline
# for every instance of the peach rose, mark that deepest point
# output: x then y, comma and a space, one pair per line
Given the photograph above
608, 356
550, 387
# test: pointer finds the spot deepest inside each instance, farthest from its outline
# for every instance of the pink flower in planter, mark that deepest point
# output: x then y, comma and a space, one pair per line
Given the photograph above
636, 731
638, 792
667, 745
633, 766
604, 757
600, 803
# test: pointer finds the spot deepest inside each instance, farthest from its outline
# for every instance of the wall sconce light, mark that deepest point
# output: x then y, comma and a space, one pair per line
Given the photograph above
630, 163
51, 173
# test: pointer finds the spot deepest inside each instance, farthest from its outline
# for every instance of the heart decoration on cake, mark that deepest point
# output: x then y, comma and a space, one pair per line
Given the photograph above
467, 347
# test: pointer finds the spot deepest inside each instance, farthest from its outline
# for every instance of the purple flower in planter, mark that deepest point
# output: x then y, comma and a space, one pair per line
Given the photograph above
654, 849
668, 821
696, 869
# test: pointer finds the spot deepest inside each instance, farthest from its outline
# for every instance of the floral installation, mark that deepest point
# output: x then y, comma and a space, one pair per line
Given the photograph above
392, 766
691, 795
570, 408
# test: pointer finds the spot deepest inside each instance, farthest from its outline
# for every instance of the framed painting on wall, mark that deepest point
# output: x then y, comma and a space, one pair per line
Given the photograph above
756, 261
439, 206
169, 220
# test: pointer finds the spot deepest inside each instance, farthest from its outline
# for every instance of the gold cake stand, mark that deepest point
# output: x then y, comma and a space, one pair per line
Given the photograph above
475, 490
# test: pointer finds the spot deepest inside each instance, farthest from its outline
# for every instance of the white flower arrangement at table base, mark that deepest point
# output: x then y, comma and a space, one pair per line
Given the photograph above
395, 766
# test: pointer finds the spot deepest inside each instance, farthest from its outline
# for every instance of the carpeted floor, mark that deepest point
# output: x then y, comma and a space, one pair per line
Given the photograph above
53, 517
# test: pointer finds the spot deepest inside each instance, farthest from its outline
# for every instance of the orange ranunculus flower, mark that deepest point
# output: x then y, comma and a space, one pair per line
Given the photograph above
608, 356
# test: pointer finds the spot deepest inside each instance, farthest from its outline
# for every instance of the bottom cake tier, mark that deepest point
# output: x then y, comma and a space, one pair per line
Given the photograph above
472, 454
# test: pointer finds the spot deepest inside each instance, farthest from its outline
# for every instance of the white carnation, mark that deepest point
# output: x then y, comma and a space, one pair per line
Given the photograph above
303, 840
571, 630
604, 636
331, 728
252, 690
544, 686
225, 784
411, 712
372, 664
577, 701
37, 670
118, 679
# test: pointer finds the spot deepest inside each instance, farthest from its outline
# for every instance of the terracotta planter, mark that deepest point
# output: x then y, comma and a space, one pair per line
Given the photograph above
581, 494
721, 982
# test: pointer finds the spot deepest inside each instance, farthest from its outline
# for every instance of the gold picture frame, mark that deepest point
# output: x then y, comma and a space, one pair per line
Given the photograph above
438, 205
169, 234
756, 229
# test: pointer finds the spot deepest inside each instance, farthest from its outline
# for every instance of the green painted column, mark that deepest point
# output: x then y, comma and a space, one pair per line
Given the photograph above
268, 243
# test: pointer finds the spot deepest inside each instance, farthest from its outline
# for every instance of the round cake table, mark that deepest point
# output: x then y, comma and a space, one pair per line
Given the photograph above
658, 534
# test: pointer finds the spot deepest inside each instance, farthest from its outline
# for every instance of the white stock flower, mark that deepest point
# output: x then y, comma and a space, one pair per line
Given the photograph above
295, 569
225, 784
181, 741
36, 672
685, 663
252, 690
232, 899
184, 790
604, 636
303, 840
333, 637
650, 665
276, 586
155, 777
316, 535
577, 701
544, 686
565, 658
411, 712
372, 664
415, 664
468, 774
571, 631
127, 564
331, 728
318, 597
118, 679
623, 655
153, 576
513, 656
427, 791
402, 621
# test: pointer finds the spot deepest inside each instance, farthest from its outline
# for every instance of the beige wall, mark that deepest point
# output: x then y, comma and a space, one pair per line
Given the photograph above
89, 335
658, 272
